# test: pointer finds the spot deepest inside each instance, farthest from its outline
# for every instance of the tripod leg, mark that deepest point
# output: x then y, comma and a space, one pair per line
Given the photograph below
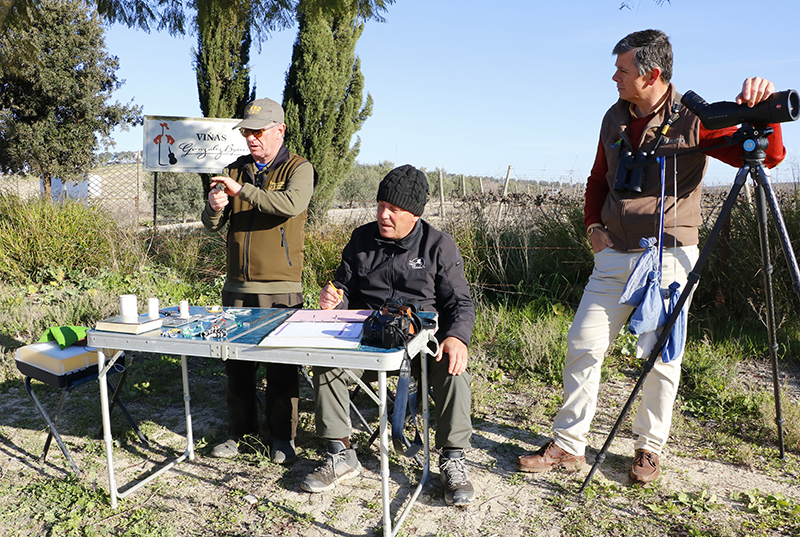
762, 178
761, 213
762, 188
694, 277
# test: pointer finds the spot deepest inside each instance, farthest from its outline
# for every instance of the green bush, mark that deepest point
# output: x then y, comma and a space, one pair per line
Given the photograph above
536, 248
709, 382
732, 283
323, 253
192, 253
44, 242
359, 187
179, 196
527, 340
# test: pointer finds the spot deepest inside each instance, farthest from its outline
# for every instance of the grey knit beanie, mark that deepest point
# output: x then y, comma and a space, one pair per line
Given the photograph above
405, 187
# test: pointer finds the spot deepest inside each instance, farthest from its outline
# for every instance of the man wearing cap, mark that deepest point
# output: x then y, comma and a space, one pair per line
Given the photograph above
263, 198
400, 256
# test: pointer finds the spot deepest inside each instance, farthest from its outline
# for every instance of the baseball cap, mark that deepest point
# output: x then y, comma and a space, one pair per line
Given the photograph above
260, 114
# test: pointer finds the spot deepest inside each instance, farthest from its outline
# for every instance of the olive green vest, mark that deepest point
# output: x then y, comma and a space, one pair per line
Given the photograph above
264, 247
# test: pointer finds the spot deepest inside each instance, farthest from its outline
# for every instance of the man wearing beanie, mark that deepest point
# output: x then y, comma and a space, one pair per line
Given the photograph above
402, 257
262, 197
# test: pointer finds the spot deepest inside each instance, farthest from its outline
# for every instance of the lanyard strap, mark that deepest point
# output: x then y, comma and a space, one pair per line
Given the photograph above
661, 215
405, 398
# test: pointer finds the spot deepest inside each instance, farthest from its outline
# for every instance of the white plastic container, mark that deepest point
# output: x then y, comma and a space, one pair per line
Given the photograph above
50, 358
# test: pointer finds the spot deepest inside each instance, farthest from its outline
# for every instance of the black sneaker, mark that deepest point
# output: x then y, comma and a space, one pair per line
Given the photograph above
453, 473
340, 464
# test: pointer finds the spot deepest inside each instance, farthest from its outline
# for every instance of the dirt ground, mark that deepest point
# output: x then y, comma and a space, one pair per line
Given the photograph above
250, 496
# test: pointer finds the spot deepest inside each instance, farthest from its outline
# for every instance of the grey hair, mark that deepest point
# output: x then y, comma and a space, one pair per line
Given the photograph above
652, 49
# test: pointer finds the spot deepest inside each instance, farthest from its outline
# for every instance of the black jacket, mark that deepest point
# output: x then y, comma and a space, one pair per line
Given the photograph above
425, 267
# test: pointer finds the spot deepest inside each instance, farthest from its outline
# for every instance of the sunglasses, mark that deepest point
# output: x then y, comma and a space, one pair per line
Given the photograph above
256, 132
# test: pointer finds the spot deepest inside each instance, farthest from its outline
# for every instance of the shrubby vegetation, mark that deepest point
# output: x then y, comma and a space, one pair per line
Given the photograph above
179, 196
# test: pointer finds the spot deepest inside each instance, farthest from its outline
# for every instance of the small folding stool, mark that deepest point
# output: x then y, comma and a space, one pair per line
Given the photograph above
66, 369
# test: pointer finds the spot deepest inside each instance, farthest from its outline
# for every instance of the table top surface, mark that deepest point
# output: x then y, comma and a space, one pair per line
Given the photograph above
244, 329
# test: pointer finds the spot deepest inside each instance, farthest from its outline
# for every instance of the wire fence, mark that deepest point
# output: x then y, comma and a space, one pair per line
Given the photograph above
135, 198
116, 187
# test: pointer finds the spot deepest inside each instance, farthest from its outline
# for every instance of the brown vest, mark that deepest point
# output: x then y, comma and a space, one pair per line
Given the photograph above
630, 216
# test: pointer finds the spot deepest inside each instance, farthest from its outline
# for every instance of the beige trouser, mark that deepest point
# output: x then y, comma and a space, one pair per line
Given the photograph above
597, 322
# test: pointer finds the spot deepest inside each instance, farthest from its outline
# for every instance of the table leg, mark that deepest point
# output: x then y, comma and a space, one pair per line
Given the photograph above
384, 447
427, 447
114, 492
106, 415
426, 415
186, 400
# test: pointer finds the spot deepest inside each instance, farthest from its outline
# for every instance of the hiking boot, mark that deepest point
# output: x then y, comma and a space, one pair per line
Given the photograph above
340, 464
226, 450
548, 457
282, 451
453, 473
645, 467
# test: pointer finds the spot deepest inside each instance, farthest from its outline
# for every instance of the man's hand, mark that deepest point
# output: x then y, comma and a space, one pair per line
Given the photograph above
457, 353
754, 91
329, 297
600, 240
218, 197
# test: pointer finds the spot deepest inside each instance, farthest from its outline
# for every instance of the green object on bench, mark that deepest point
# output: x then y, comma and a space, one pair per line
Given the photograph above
65, 336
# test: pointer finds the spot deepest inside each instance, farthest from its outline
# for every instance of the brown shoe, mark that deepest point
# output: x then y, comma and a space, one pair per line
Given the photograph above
548, 457
645, 467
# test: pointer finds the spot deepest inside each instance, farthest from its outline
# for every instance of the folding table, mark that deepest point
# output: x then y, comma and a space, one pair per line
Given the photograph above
241, 343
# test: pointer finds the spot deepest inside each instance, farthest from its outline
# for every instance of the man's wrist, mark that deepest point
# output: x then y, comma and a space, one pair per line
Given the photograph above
592, 227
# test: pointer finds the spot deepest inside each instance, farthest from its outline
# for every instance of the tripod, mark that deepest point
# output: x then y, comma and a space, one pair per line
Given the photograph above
754, 143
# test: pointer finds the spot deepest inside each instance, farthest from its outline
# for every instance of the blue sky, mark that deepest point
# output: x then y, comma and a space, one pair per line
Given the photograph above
474, 87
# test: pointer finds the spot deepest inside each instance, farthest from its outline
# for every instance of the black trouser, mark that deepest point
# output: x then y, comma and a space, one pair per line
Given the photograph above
283, 388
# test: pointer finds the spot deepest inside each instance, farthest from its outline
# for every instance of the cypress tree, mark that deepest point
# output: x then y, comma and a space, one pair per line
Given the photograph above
322, 97
222, 57
221, 60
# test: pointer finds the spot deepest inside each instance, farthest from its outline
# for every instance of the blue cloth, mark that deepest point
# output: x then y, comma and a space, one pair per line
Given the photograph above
633, 293
677, 336
650, 314
643, 290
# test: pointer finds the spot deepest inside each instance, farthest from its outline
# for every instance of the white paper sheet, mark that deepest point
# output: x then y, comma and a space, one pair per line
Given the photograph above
329, 335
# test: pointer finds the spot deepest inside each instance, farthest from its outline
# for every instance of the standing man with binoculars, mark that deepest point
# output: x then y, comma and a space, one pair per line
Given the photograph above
623, 206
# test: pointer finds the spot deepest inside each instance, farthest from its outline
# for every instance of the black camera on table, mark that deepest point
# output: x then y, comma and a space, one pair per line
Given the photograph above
391, 325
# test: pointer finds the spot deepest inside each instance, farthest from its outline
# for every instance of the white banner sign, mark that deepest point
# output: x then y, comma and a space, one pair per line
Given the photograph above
188, 144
